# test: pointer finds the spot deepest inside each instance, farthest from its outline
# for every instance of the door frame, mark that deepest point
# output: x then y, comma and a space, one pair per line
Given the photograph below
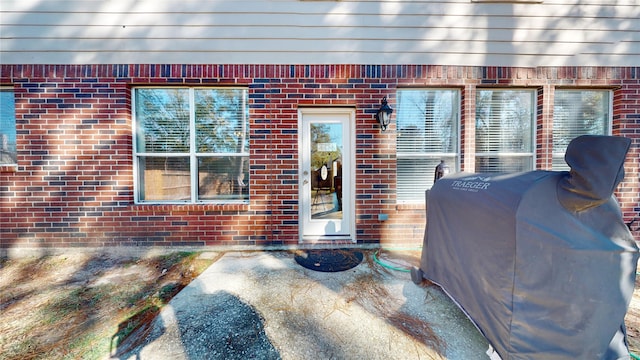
347, 115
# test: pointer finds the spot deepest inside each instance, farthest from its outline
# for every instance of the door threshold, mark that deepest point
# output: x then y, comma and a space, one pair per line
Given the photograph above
327, 240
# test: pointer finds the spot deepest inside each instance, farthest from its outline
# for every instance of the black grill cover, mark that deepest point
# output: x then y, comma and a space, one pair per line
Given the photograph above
541, 261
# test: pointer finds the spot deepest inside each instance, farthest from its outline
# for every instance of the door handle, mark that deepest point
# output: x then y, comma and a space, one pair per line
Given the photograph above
305, 182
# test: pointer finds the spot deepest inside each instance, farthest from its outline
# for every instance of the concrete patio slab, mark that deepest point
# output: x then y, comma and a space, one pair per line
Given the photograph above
263, 305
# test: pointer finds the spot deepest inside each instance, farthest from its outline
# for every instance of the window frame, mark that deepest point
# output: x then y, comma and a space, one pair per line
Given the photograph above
608, 118
419, 197
11, 154
192, 154
533, 130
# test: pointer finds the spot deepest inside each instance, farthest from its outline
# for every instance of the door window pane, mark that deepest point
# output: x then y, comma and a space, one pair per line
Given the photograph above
326, 170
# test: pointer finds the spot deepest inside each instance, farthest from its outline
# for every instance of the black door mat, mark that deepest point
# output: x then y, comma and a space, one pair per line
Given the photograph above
329, 260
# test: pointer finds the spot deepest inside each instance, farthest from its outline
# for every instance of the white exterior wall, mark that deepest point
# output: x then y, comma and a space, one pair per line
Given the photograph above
446, 32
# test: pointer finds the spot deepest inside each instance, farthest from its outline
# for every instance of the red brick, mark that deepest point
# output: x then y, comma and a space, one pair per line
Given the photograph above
109, 119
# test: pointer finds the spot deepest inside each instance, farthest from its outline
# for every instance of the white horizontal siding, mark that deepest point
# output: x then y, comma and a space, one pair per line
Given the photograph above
569, 32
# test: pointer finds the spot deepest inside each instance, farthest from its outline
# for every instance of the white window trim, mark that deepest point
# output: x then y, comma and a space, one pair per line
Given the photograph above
193, 155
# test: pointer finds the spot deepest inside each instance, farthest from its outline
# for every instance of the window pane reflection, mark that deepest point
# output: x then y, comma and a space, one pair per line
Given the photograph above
165, 178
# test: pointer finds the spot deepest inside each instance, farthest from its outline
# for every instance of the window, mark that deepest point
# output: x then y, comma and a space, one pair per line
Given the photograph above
504, 130
427, 122
191, 145
8, 151
576, 113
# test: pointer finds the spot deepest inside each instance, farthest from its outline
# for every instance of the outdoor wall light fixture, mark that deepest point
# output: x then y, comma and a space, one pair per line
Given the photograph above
384, 114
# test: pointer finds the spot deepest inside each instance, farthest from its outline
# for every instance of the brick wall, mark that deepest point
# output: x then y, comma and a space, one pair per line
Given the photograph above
73, 185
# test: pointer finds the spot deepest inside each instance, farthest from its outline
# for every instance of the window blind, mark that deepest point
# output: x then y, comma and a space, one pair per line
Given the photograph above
427, 132
576, 113
504, 130
192, 144
8, 150
221, 121
162, 120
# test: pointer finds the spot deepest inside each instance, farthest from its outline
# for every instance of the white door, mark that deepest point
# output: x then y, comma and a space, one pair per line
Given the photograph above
326, 174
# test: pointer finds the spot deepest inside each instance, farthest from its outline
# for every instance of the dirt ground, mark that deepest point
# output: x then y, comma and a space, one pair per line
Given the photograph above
81, 306
78, 305
632, 320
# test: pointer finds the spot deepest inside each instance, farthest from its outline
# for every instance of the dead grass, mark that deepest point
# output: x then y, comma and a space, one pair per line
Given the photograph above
369, 292
83, 306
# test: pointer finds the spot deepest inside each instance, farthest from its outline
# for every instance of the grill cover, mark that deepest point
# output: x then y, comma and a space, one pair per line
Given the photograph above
540, 261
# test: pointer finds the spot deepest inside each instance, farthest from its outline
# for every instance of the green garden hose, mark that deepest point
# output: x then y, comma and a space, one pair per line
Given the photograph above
388, 266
